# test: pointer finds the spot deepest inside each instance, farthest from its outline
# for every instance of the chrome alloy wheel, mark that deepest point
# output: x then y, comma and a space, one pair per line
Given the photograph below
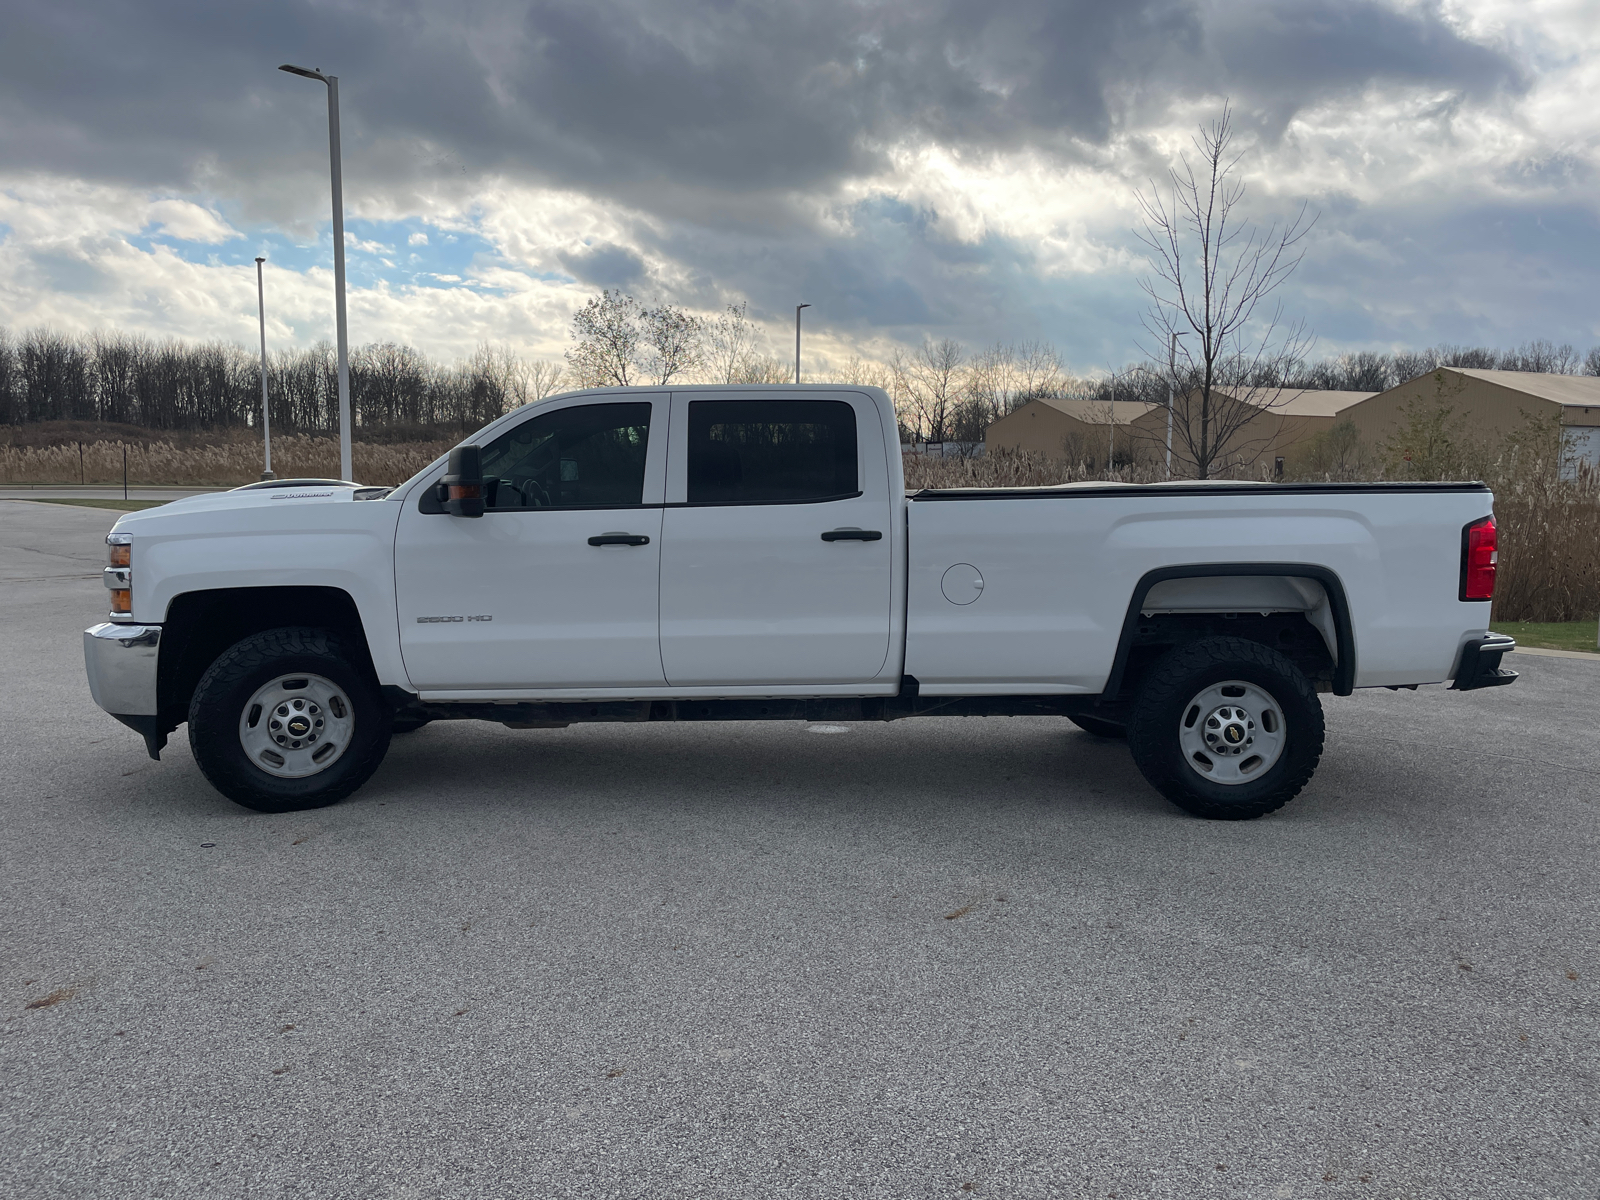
1231, 733
296, 726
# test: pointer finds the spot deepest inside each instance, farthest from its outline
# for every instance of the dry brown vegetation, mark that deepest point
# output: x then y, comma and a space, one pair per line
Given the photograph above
218, 464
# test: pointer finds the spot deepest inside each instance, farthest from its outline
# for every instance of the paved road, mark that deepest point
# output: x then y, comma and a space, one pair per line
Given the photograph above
939, 958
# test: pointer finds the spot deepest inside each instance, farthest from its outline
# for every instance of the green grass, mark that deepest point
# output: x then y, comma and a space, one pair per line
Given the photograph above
115, 505
1550, 635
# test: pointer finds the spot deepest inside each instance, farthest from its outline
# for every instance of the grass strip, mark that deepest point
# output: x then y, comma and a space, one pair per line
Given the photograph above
1550, 635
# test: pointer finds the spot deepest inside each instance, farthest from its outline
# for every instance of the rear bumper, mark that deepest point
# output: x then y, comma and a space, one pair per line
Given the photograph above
1480, 663
121, 664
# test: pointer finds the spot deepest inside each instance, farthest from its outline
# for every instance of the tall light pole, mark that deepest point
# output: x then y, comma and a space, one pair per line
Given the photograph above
1172, 373
266, 418
346, 470
797, 309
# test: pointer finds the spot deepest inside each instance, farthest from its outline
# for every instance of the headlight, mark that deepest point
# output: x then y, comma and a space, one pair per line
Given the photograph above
119, 575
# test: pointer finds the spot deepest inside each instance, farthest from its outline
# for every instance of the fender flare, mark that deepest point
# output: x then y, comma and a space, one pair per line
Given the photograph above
1344, 671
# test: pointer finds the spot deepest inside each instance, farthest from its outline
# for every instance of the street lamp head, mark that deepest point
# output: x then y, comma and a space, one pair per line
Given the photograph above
293, 70
259, 259
798, 307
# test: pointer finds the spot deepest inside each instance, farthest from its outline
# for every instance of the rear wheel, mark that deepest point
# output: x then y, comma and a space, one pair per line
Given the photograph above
285, 720
1227, 729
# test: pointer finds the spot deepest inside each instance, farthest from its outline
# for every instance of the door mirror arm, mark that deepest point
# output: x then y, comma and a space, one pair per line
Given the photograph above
461, 489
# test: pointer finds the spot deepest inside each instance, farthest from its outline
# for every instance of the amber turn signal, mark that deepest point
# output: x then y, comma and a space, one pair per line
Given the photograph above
122, 601
122, 555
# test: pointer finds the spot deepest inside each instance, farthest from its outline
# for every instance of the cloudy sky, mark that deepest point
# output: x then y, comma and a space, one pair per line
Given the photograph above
961, 168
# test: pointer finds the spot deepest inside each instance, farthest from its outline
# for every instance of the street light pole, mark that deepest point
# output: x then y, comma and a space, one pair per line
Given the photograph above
1172, 371
797, 309
346, 469
1111, 421
266, 417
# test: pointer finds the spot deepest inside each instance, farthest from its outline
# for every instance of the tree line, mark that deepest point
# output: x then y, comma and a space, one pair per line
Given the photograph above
174, 386
944, 391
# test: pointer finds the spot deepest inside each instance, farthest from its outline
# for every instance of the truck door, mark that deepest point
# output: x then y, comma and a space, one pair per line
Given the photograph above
776, 545
556, 585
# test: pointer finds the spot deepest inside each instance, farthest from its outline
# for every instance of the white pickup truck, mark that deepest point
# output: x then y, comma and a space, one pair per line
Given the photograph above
691, 554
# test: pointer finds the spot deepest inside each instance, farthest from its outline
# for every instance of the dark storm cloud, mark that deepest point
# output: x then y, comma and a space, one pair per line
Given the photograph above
605, 265
636, 97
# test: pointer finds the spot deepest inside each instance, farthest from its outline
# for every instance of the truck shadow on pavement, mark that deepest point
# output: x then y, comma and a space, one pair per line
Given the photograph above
1018, 763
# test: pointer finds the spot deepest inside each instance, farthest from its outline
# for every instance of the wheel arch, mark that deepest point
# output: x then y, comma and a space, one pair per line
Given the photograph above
200, 625
1343, 650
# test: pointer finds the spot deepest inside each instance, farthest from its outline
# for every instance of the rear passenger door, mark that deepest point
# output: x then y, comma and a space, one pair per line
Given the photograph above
776, 541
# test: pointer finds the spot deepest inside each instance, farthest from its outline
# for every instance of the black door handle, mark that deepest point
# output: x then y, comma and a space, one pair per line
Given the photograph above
852, 535
619, 539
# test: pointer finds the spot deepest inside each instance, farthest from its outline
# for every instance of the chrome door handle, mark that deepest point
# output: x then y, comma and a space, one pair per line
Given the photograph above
619, 539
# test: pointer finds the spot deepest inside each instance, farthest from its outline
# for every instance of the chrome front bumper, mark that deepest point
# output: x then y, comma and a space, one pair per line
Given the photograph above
121, 662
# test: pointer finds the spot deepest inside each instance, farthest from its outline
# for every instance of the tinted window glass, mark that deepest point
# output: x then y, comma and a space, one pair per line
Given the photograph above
758, 451
589, 456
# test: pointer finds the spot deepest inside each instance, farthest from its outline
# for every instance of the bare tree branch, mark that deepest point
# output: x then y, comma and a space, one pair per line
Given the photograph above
1212, 276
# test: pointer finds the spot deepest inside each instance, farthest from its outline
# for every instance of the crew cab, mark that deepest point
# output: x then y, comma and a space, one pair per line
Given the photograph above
735, 553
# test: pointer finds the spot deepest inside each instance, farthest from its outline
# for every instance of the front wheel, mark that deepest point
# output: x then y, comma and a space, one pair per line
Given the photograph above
1226, 728
285, 720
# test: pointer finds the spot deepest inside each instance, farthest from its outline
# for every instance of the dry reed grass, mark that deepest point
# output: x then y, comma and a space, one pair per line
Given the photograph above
1014, 468
223, 465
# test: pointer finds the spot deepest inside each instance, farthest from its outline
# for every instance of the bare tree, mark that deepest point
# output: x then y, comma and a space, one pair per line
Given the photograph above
928, 381
544, 378
676, 341
731, 345
607, 333
1213, 276
763, 368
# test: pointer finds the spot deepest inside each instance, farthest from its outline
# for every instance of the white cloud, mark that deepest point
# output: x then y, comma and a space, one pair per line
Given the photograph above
417, 239
188, 222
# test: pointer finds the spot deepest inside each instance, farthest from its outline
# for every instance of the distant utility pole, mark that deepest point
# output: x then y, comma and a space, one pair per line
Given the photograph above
346, 469
266, 417
1172, 375
797, 309
1111, 421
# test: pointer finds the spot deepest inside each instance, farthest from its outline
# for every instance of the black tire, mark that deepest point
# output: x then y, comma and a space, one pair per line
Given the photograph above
1165, 704
229, 684
1099, 726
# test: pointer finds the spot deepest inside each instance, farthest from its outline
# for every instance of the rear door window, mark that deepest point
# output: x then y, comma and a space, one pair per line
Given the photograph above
771, 451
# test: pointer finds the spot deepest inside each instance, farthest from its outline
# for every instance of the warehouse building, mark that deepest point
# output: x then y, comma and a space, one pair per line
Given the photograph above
1086, 431
1079, 431
1492, 403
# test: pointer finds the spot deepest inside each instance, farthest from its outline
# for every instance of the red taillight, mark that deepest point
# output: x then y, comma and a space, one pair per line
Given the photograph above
1478, 557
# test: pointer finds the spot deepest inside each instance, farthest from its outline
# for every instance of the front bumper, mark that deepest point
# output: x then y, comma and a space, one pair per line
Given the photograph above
1480, 663
121, 663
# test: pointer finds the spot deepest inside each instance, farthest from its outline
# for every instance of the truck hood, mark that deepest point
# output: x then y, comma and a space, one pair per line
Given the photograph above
292, 501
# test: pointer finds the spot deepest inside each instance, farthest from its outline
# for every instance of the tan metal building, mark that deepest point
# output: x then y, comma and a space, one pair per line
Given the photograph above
1087, 431
1288, 418
1492, 403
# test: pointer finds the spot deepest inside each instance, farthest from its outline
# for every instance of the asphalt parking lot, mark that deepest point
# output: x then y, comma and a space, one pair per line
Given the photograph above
935, 958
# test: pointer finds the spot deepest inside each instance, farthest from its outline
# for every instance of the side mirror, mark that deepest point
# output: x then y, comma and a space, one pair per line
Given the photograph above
463, 483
